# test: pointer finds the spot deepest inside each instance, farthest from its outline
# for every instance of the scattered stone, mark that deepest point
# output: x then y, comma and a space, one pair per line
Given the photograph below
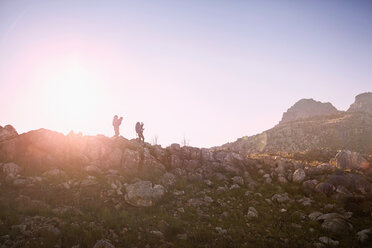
93, 168
234, 186
252, 213
182, 236
157, 233
11, 168
329, 241
238, 180
208, 199
54, 173
314, 215
280, 198
220, 230
299, 175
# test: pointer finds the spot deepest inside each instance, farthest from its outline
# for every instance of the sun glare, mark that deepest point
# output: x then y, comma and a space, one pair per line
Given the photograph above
72, 95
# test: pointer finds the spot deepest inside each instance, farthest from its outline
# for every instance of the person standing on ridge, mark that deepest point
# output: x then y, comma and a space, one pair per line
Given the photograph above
139, 131
116, 122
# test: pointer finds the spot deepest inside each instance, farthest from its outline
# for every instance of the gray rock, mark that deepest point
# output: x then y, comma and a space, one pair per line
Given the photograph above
93, 168
143, 194
238, 180
103, 243
314, 215
299, 175
252, 213
364, 235
54, 173
363, 103
351, 160
7, 132
325, 188
329, 241
337, 226
280, 198
168, 179
11, 168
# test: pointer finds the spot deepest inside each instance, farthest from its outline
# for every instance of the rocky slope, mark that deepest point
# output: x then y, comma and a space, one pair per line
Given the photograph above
310, 125
346, 130
95, 191
306, 108
363, 103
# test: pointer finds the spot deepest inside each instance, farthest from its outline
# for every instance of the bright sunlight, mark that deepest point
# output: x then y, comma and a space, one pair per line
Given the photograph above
72, 91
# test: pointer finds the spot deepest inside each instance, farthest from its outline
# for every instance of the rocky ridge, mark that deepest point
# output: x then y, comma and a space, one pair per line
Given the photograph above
93, 191
306, 108
363, 103
310, 125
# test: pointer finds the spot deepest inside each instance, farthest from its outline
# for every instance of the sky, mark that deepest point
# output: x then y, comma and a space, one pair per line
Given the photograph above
204, 72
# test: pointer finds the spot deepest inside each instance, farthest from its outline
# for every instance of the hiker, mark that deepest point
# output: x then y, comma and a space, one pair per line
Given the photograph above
116, 122
139, 131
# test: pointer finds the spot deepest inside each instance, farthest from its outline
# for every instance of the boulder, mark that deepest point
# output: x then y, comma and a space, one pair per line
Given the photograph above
280, 198
7, 132
103, 243
252, 213
143, 194
238, 180
329, 241
130, 162
350, 160
168, 179
337, 226
54, 173
114, 158
364, 235
351, 181
325, 188
299, 175
11, 168
93, 168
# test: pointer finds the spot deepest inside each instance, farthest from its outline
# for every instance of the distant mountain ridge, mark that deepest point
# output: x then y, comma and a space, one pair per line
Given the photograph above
306, 108
309, 124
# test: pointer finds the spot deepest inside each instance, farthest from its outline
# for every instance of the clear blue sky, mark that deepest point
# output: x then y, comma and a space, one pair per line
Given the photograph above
210, 71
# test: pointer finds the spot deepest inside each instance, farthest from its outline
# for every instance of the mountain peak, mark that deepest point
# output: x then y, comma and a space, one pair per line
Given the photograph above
306, 108
363, 103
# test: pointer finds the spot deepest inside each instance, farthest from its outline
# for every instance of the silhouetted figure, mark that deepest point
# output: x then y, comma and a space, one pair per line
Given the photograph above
139, 131
116, 122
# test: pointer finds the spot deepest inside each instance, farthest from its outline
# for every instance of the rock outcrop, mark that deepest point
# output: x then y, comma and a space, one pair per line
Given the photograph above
310, 125
7, 132
348, 130
306, 108
363, 103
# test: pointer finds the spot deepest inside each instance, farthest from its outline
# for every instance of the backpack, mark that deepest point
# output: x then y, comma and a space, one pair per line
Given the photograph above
138, 127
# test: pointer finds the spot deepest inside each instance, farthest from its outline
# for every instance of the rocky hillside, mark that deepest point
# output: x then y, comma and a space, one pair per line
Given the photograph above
95, 191
306, 108
363, 103
345, 130
307, 126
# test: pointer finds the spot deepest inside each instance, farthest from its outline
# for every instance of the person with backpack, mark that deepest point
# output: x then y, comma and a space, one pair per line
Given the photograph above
116, 122
139, 131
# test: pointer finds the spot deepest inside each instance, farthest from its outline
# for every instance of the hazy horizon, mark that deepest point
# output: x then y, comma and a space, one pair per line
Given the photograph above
210, 71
